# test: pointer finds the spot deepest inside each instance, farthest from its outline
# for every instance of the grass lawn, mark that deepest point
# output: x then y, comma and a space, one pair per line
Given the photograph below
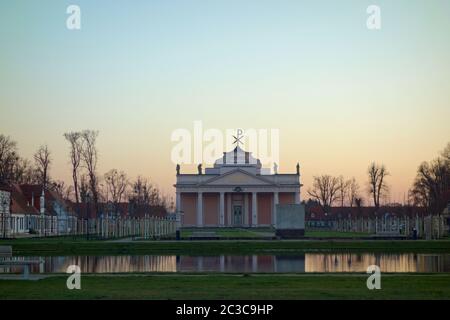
64, 247
334, 234
216, 286
232, 232
269, 232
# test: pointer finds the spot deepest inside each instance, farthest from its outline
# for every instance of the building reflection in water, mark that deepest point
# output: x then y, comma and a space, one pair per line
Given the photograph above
351, 262
310, 262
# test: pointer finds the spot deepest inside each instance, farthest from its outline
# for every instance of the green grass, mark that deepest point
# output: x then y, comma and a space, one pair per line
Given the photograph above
214, 286
54, 247
232, 232
269, 232
334, 234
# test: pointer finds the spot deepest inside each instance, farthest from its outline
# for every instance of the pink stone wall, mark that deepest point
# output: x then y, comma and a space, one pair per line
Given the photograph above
264, 208
286, 197
211, 209
189, 206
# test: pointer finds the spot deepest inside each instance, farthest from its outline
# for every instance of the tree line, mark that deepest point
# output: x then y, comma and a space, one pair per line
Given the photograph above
112, 188
431, 187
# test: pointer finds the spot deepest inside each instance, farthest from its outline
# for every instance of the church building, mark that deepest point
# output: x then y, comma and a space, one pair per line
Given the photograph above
235, 192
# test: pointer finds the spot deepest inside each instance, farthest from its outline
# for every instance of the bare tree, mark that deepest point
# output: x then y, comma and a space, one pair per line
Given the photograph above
84, 188
145, 198
169, 202
377, 183
353, 192
13, 168
343, 189
140, 192
446, 152
61, 189
431, 188
8, 157
359, 202
76, 146
25, 173
42, 159
325, 190
89, 156
116, 184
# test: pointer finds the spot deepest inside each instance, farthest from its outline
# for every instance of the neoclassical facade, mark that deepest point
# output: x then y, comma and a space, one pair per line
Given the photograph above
235, 192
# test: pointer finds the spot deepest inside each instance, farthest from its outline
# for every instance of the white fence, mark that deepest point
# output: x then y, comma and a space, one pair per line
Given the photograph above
428, 227
147, 227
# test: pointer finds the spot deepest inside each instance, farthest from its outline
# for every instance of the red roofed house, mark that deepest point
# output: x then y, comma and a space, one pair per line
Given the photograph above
23, 215
49, 203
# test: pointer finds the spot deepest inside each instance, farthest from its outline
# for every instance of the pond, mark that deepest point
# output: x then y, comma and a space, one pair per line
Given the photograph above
309, 262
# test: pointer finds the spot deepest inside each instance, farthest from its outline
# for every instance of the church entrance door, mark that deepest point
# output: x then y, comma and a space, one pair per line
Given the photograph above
237, 215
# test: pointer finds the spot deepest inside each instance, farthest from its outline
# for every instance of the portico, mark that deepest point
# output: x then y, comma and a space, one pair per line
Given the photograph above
234, 193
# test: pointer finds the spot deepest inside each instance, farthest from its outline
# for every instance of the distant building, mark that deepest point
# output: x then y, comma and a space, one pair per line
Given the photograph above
5, 209
234, 193
32, 202
48, 202
24, 216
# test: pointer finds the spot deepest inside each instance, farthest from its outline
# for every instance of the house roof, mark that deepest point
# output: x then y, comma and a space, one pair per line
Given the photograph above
19, 203
33, 192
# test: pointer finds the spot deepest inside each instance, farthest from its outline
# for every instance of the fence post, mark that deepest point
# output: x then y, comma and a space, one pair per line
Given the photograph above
153, 228
159, 227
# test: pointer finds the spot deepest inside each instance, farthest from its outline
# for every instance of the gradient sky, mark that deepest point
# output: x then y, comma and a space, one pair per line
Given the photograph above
341, 95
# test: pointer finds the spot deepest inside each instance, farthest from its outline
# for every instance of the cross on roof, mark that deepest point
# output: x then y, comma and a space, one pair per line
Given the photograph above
238, 137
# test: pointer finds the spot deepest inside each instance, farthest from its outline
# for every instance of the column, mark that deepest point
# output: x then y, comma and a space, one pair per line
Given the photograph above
246, 210
178, 210
229, 209
222, 209
297, 197
200, 209
178, 202
274, 210
254, 209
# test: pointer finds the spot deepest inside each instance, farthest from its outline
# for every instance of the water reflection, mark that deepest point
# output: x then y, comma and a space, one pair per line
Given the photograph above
386, 262
310, 262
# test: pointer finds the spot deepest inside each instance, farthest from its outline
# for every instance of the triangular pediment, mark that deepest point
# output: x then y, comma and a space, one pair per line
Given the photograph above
237, 178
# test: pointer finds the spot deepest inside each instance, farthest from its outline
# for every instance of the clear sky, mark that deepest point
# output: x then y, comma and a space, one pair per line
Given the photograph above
340, 94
